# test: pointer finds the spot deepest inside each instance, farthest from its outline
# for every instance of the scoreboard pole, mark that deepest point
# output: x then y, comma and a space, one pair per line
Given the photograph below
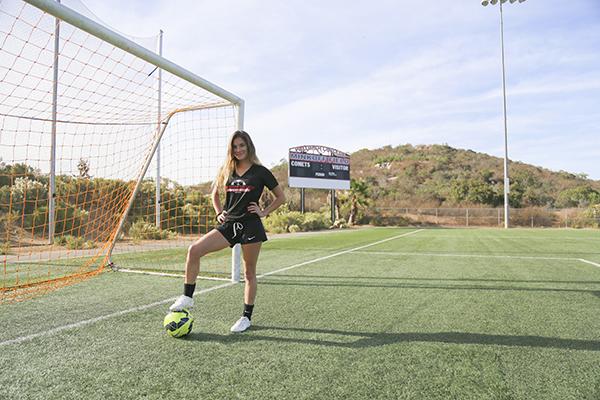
332, 206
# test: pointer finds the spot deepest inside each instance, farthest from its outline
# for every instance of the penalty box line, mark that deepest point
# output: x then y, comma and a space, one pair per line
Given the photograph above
338, 254
203, 291
398, 253
589, 262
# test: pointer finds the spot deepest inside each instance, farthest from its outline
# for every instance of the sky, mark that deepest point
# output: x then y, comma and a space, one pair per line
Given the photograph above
365, 74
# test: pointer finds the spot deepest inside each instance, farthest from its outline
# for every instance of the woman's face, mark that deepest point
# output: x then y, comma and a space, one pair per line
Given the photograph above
240, 150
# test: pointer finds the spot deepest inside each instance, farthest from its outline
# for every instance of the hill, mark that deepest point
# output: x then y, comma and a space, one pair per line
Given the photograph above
442, 176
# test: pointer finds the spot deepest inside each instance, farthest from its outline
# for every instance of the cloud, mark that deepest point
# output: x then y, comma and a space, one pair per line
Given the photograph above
442, 95
371, 73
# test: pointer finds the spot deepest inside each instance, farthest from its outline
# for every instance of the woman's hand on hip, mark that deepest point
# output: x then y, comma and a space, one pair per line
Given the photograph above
254, 208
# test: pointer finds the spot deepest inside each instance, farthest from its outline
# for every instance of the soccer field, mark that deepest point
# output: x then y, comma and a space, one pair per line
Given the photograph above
374, 313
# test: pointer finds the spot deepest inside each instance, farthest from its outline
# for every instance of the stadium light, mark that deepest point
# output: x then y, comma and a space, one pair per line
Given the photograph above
506, 178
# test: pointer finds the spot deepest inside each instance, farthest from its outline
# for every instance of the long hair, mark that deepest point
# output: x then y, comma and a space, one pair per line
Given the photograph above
230, 161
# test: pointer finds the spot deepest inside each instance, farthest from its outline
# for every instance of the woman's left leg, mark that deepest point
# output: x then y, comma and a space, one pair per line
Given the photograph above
250, 254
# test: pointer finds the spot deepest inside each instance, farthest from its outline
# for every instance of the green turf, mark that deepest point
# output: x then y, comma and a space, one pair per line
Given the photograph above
281, 253
15, 274
439, 314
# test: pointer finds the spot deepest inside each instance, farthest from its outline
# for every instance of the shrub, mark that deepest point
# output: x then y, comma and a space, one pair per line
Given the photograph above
339, 224
144, 230
293, 228
588, 218
60, 240
69, 218
385, 220
280, 222
9, 223
533, 216
314, 221
294, 221
74, 242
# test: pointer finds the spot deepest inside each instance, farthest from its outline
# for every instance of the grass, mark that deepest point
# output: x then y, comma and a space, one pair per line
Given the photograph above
438, 314
35, 272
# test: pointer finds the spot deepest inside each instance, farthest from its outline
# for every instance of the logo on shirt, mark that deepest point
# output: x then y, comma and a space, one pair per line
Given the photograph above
239, 186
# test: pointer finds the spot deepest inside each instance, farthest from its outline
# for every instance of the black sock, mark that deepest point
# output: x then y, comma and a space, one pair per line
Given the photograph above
188, 289
248, 310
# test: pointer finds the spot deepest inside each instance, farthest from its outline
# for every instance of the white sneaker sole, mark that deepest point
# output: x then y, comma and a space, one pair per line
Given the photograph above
236, 329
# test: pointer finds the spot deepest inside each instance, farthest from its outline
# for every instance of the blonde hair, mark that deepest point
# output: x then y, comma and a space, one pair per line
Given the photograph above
230, 161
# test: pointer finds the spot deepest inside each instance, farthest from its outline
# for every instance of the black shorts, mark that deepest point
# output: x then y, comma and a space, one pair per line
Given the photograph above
243, 231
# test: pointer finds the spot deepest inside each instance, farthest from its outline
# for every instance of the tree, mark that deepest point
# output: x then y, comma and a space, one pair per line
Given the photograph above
84, 168
475, 191
580, 196
359, 197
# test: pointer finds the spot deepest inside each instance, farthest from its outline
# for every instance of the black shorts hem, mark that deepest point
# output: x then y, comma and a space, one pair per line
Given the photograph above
243, 231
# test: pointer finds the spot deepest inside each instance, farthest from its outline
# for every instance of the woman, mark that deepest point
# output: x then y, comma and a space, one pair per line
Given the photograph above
243, 178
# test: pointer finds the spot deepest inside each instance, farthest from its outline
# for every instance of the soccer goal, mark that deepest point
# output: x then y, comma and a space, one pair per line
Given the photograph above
107, 152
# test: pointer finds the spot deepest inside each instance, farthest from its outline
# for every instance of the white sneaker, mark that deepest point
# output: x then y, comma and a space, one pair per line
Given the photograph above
182, 302
241, 325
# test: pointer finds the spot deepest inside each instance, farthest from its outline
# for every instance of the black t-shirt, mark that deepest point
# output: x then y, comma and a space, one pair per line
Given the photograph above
245, 189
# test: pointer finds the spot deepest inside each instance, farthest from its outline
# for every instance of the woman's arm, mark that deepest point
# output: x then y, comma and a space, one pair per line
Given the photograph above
216, 201
279, 200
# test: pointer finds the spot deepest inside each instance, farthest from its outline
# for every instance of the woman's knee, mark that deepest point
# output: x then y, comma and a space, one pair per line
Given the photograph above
195, 251
250, 274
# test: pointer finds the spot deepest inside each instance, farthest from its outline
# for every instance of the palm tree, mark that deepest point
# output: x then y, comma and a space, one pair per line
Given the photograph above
358, 196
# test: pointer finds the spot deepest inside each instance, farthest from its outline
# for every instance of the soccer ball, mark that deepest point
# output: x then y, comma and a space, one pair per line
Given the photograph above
178, 323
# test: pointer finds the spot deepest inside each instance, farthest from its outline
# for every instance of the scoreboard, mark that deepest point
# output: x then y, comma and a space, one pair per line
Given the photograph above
318, 167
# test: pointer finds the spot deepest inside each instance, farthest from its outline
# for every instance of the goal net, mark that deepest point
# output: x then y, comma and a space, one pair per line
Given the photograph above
90, 121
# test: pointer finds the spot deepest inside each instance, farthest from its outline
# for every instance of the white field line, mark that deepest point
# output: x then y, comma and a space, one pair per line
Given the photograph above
589, 262
529, 238
103, 317
141, 272
338, 254
395, 253
161, 302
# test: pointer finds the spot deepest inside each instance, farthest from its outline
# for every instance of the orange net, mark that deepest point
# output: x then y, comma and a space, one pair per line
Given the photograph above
106, 127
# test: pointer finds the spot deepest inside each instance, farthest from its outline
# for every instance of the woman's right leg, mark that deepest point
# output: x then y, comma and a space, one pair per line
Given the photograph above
211, 242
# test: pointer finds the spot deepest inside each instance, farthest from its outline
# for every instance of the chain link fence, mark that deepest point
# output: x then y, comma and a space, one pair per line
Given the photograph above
492, 217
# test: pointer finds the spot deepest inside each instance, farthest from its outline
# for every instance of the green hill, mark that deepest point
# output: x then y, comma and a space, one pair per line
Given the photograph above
442, 176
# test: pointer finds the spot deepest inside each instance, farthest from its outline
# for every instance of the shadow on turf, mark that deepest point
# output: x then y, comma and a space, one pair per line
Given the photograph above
371, 339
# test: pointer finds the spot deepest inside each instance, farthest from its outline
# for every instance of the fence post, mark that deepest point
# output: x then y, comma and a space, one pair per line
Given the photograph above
467, 217
532, 221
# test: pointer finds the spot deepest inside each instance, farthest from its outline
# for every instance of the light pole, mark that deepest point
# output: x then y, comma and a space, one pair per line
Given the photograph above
506, 179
